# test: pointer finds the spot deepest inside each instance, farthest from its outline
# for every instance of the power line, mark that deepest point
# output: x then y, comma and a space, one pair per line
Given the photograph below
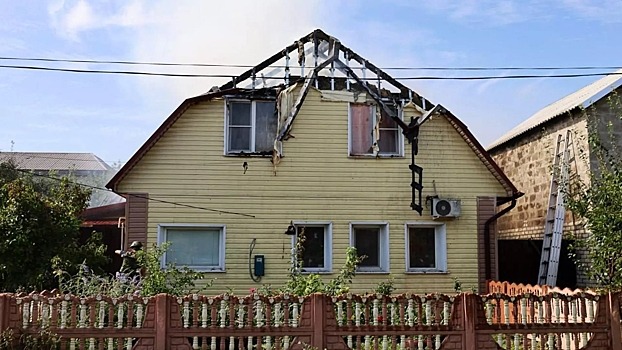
69, 70
185, 75
139, 196
56, 158
59, 158
220, 65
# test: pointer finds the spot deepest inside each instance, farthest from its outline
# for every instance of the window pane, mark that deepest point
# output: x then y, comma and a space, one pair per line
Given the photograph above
361, 129
239, 138
388, 142
367, 242
193, 247
240, 113
312, 254
387, 122
422, 247
265, 126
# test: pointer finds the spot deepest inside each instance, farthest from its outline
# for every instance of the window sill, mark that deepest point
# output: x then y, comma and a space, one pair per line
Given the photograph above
209, 271
371, 156
249, 154
317, 272
373, 272
426, 272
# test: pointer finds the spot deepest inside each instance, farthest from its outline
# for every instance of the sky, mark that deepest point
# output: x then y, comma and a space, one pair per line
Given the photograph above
113, 115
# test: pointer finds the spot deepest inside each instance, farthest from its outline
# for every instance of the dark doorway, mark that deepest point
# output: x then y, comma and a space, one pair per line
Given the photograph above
519, 262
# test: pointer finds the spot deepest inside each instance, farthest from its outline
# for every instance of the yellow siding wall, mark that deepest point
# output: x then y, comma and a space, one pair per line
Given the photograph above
316, 181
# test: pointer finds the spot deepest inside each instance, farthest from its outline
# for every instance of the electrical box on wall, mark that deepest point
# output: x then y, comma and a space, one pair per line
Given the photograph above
259, 265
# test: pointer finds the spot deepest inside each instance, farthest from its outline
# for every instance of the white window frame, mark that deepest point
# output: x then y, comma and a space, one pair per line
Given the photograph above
400, 135
328, 245
162, 231
440, 246
383, 259
253, 104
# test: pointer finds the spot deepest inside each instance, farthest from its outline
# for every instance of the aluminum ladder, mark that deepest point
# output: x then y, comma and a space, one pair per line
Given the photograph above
556, 211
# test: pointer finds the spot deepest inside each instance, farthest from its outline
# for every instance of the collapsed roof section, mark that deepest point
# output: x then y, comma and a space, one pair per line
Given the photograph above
319, 54
324, 63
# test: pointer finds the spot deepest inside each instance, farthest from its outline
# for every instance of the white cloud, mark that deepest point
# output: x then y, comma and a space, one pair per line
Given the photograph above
602, 10
492, 12
239, 32
71, 18
505, 12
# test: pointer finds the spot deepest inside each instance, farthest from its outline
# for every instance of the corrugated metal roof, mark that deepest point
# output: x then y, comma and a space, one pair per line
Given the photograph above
584, 97
55, 161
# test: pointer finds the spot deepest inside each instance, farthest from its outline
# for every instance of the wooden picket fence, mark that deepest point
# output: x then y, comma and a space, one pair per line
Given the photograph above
406, 321
514, 289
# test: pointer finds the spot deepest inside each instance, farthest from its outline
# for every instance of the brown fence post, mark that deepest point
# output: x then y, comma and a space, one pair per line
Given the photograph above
318, 312
614, 321
469, 302
162, 316
4, 312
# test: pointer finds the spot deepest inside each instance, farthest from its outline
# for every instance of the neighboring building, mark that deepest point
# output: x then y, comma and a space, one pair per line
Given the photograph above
86, 168
526, 153
235, 176
109, 220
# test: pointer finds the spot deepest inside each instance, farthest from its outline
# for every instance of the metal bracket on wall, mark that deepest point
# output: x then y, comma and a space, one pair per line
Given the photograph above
412, 135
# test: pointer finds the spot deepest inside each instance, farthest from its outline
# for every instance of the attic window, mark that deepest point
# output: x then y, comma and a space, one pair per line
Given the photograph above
251, 126
365, 140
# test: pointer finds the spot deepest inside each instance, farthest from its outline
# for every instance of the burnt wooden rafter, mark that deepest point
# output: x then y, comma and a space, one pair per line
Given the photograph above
305, 90
377, 98
271, 60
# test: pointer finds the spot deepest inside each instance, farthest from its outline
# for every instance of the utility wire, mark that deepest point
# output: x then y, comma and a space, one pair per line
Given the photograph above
138, 195
51, 157
184, 75
119, 72
170, 64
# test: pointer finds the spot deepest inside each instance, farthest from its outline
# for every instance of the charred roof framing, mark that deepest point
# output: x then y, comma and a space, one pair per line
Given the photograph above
321, 42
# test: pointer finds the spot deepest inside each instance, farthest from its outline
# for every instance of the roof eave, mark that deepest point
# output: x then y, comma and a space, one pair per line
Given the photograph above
484, 156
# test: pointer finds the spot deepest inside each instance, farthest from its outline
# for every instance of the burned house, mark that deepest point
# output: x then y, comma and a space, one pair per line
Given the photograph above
317, 142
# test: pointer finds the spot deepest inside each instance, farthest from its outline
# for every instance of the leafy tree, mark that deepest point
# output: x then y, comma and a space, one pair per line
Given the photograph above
39, 230
598, 200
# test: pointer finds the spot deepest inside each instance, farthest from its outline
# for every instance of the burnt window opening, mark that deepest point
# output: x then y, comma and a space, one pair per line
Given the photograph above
373, 132
251, 126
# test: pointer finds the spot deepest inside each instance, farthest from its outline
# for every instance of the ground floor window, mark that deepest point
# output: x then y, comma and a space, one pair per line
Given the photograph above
200, 247
426, 247
313, 243
371, 240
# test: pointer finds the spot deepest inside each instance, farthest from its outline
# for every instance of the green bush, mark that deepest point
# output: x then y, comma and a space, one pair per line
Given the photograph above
171, 279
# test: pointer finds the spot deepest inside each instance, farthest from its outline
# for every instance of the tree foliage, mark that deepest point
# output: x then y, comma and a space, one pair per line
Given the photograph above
39, 230
598, 200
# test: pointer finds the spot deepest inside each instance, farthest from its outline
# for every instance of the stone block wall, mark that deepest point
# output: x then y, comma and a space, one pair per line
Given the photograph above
528, 162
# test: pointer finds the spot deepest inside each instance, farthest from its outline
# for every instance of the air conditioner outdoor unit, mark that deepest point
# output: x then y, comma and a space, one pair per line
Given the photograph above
445, 208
